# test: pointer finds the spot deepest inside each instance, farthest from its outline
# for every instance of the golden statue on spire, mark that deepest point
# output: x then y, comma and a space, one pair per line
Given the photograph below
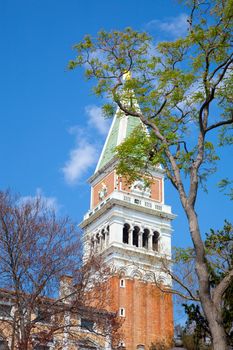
127, 75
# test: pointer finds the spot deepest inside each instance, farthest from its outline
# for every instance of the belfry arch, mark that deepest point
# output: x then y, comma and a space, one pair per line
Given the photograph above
136, 231
145, 238
125, 233
155, 241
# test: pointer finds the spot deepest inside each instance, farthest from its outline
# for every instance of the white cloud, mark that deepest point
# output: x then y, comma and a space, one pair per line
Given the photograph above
174, 26
96, 119
81, 158
84, 154
49, 202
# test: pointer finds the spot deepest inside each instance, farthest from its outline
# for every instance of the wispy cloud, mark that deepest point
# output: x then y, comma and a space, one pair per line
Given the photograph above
172, 26
49, 202
84, 155
96, 119
81, 159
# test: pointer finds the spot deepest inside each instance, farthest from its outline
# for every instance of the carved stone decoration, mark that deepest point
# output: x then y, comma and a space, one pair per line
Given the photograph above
103, 191
136, 274
139, 187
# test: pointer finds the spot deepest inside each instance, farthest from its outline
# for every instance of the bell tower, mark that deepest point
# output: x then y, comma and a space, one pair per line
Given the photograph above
130, 226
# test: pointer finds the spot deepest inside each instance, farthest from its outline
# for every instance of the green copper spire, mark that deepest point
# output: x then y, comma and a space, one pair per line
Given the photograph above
122, 126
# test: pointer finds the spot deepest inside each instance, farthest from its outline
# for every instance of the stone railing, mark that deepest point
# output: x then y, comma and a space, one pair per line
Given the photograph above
132, 199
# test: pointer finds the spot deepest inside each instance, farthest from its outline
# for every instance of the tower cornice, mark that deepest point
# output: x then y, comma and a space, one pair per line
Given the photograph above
111, 202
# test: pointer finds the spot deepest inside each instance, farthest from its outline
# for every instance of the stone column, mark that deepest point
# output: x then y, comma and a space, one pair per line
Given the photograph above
130, 236
101, 241
140, 239
150, 240
95, 244
107, 233
103, 238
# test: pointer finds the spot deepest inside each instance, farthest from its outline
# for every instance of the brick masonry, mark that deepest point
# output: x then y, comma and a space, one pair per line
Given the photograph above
148, 312
112, 180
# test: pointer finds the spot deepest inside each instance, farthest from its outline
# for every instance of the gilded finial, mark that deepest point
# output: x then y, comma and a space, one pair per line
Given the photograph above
127, 75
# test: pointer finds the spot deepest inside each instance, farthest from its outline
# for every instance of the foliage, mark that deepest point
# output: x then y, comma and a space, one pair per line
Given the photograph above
198, 323
224, 185
172, 86
160, 345
192, 342
219, 252
219, 249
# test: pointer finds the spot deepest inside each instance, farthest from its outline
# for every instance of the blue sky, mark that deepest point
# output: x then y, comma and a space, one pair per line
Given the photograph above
51, 127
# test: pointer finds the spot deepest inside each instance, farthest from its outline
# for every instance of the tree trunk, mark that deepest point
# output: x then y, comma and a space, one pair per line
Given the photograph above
218, 333
23, 345
213, 314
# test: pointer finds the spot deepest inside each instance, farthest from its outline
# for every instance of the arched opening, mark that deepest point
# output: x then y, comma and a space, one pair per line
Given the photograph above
92, 244
135, 236
121, 345
145, 236
140, 347
155, 241
107, 235
126, 233
103, 236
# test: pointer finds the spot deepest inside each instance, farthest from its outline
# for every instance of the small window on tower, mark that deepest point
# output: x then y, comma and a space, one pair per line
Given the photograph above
121, 345
122, 312
122, 283
140, 347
